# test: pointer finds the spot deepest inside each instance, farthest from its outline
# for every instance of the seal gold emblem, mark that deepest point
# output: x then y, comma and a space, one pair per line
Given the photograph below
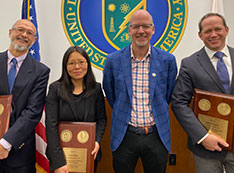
224, 109
83, 136
66, 135
1, 109
204, 104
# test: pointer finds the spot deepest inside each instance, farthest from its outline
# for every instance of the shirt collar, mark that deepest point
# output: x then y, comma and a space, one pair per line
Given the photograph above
20, 59
147, 55
211, 53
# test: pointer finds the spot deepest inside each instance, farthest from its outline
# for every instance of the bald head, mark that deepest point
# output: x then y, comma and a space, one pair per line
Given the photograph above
140, 13
25, 22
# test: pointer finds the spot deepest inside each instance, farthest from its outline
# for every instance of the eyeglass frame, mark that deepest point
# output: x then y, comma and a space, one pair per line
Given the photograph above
21, 30
73, 63
144, 26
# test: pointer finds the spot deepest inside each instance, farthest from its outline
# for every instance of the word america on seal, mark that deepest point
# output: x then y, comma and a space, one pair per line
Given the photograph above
101, 26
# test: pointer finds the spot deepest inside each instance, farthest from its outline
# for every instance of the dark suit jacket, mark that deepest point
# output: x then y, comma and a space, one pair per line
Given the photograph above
117, 84
29, 93
59, 110
198, 72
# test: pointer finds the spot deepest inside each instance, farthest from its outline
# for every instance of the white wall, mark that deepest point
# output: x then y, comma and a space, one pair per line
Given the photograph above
54, 43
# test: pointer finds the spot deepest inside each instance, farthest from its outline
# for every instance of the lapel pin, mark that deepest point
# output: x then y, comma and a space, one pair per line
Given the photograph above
153, 74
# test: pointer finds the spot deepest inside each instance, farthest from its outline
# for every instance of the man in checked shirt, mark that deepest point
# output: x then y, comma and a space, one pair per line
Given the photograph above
138, 81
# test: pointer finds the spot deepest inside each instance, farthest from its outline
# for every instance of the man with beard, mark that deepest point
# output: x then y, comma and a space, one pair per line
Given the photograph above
28, 87
138, 81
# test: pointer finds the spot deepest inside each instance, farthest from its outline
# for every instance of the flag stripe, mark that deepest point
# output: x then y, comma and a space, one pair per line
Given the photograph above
40, 130
41, 145
41, 160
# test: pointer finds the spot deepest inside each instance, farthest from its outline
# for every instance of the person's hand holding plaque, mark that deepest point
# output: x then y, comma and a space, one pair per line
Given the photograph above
63, 169
215, 113
96, 149
213, 142
3, 152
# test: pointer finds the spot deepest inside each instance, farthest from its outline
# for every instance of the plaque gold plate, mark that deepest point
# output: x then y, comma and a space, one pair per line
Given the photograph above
216, 125
214, 111
78, 140
5, 111
76, 159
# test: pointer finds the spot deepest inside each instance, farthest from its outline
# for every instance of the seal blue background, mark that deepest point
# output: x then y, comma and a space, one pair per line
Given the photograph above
91, 21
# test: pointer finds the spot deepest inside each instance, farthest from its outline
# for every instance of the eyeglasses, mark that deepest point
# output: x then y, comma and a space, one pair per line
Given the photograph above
22, 30
144, 26
81, 63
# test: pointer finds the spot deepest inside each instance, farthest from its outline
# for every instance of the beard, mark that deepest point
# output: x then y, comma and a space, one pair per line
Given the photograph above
142, 44
18, 47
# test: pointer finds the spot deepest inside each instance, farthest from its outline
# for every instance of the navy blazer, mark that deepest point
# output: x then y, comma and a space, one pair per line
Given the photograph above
29, 93
117, 84
58, 109
198, 72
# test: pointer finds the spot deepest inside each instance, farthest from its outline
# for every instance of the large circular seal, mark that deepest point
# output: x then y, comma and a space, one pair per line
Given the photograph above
204, 104
66, 135
224, 109
83, 136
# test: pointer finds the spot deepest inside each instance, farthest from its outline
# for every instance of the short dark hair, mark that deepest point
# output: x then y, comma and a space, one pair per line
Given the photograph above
89, 82
209, 15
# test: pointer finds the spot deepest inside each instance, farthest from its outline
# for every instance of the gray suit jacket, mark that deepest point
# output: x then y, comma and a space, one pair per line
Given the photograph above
198, 72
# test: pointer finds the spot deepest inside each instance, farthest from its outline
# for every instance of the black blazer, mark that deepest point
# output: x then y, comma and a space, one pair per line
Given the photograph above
198, 72
29, 93
58, 109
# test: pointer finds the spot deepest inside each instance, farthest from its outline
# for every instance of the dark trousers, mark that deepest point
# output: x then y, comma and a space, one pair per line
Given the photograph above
25, 169
148, 147
95, 165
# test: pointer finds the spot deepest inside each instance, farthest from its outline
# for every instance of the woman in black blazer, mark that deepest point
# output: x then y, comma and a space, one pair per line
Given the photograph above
76, 96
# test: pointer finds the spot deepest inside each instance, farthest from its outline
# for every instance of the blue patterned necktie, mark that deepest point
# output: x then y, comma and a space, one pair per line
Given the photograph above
12, 73
222, 71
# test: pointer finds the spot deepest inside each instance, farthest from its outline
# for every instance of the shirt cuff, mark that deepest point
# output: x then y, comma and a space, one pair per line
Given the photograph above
5, 144
202, 138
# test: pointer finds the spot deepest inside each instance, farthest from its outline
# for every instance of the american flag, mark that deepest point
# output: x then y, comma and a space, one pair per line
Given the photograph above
42, 164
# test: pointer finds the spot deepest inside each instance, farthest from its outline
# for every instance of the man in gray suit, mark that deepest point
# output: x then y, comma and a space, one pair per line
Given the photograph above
199, 71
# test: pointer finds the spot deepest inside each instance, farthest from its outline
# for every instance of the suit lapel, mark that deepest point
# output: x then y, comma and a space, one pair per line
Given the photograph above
155, 68
206, 64
126, 67
4, 88
23, 77
231, 50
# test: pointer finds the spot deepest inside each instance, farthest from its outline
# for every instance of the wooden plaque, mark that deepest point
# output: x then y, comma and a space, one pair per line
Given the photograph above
215, 111
5, 111
78, 140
